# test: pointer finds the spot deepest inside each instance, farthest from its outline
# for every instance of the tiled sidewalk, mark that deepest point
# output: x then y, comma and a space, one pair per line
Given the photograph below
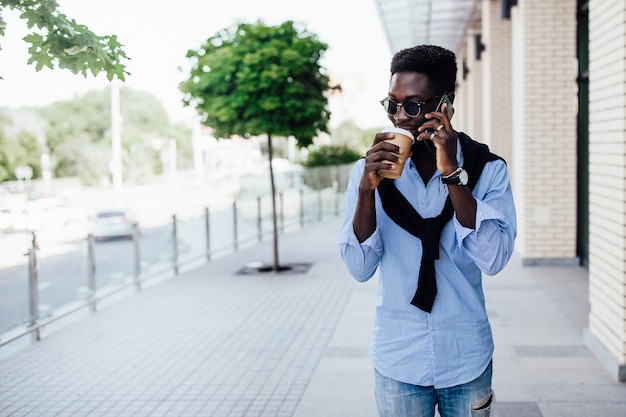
210, 342
214, 342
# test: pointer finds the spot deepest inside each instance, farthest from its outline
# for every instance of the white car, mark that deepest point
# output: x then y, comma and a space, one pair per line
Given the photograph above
111, 224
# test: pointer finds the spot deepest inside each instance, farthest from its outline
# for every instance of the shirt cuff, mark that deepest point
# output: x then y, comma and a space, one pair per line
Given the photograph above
346, 236
484, 212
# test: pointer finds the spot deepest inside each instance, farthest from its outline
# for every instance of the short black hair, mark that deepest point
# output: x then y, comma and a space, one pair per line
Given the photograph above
438, 63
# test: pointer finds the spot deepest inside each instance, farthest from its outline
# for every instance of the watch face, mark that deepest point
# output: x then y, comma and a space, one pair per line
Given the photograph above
463, 177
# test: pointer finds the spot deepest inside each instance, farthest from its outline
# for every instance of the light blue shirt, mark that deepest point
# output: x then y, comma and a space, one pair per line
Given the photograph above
453, 344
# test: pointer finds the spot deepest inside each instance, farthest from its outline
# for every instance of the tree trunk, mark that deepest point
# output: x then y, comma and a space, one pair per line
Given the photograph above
275, 266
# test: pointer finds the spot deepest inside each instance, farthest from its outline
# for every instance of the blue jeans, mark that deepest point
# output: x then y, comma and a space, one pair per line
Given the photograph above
398, 399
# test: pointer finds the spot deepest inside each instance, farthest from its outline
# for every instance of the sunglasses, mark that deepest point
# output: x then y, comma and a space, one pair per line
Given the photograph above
411, 107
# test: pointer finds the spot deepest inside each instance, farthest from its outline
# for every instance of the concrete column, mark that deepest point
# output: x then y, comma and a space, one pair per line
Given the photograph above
607, 184
544, 129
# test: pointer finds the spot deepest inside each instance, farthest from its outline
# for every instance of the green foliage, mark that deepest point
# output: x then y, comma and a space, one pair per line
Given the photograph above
350, 135
256, 79
79, 136
329, 166
55, 39
331, 155
21, 150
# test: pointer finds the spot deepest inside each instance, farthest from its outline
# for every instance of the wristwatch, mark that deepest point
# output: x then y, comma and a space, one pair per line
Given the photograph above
458, 177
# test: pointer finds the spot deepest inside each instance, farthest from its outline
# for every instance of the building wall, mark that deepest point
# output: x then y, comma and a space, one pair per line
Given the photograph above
459, 122
607, 181
497, 97
474, 89
543, 48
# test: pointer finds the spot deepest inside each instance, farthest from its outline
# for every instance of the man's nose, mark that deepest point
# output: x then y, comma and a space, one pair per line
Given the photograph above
401, 114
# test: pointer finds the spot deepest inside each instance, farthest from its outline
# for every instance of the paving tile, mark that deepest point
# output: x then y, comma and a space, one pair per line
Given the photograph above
518, 409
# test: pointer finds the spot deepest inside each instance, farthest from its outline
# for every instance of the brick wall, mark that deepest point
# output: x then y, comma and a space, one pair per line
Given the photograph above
607, 176
459, 123
474, 89
544, 129
497, 88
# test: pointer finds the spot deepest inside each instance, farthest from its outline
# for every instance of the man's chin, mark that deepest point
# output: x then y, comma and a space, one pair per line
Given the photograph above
418, 146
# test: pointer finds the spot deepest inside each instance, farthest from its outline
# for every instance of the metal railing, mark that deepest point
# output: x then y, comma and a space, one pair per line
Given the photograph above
192, 241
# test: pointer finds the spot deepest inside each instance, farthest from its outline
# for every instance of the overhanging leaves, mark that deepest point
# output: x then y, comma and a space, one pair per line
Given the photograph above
56, 40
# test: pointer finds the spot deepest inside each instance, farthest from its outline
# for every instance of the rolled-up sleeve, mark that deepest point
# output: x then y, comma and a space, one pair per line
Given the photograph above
361, 259
491, 243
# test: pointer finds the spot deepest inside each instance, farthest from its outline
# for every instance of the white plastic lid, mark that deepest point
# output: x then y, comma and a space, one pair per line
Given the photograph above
394, 129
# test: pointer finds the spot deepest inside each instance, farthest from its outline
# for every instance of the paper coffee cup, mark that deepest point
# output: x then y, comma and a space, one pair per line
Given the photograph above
404, 140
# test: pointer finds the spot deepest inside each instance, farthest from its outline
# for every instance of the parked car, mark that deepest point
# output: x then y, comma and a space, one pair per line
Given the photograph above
113, 224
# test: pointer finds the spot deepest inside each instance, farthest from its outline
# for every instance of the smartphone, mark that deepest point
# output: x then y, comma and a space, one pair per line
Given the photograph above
449, 107
450, 112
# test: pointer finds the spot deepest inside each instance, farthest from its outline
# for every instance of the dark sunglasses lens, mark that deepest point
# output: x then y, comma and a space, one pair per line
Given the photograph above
390, 106
411, 108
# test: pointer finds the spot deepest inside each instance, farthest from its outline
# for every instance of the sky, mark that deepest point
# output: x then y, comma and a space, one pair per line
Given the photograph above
158, 34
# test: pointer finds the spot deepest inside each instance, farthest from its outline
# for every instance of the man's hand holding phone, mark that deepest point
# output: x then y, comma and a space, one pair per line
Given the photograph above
439, 136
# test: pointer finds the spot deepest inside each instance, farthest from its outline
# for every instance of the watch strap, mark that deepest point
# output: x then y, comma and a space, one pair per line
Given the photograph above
458, 177
455, 172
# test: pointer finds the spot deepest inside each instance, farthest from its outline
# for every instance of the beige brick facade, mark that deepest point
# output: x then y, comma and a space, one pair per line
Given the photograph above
607, 180
543, 50
460, 101
474, 89
497, 98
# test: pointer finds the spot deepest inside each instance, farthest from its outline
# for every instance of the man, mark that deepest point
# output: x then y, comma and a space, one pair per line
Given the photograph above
432, 233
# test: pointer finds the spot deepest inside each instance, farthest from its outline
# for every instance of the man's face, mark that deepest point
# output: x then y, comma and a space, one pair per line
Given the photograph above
413, 86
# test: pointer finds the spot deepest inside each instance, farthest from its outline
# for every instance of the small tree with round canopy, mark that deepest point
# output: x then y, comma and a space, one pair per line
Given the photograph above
255, 79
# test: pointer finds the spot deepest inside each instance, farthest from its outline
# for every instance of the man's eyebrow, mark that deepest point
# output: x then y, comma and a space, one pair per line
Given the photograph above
411, 98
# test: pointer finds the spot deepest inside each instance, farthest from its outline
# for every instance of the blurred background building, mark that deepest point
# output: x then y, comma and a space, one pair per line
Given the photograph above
543, 83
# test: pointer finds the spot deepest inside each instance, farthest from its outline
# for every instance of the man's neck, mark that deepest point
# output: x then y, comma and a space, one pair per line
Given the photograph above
424, 160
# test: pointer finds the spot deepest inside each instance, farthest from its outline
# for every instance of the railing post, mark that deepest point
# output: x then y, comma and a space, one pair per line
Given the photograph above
301, 208
137, 255
282, 217
319, 205
336, 191
235, 237
259, 224
207, 230
175, 243
33, 287
91, 271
